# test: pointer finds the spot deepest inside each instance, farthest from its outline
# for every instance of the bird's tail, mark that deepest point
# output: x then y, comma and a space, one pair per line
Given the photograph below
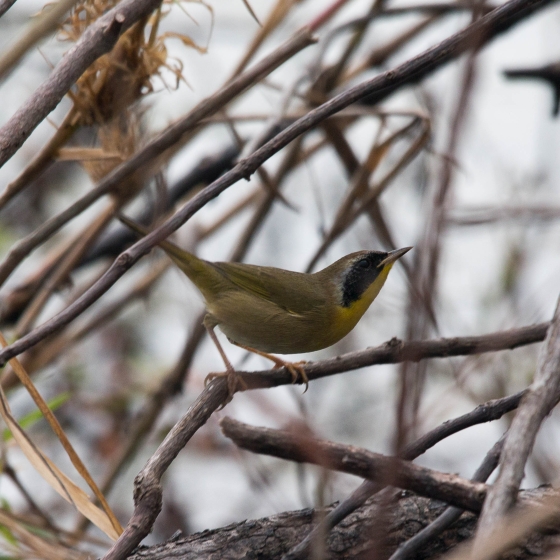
187, 262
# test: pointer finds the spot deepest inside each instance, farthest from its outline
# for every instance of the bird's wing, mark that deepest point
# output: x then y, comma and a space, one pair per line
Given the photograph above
289, 290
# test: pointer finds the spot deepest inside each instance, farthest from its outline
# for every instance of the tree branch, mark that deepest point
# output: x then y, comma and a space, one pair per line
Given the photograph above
543, 395
297, 446
97, 40
397, 351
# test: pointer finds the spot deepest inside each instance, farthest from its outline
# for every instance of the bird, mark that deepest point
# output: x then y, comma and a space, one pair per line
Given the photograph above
268, 310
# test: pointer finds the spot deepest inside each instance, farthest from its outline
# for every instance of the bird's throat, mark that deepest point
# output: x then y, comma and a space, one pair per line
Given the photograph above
349, 316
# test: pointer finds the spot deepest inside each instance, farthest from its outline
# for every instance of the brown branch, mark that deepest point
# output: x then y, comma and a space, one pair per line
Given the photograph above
452, 514
301, 448
441, 8
43, 24
376, 89
491, 410
396, 351
542, 397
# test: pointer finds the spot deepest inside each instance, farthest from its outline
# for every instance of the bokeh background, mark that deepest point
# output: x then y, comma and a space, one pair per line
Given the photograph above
478, 198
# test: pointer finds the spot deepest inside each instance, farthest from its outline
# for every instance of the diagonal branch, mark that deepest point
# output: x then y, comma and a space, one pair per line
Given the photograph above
297, 446
97, 40
542, 397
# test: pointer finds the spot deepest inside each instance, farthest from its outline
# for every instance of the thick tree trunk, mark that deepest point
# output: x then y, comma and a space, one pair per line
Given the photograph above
381, 525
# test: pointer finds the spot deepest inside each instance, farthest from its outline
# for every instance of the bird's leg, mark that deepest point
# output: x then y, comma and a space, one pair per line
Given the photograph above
234, 380
295, 368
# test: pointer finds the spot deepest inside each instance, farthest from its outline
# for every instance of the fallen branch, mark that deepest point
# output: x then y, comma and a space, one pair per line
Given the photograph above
302, 448
269, 538
273, 536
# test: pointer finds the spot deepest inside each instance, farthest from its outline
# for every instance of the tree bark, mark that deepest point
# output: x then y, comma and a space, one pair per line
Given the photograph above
396, 520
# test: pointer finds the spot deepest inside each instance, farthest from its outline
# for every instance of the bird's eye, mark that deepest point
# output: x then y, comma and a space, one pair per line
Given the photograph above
363, 263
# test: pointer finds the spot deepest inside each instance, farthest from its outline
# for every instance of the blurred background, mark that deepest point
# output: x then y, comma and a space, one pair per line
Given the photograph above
463, 166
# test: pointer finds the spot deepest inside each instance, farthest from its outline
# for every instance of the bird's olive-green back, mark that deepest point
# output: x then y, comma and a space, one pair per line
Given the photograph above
293, 291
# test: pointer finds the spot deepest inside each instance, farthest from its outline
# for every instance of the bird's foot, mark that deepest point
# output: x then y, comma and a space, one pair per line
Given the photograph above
295, 368
234, 383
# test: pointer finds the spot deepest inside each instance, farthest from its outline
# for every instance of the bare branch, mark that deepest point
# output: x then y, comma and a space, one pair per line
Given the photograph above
44, 23
542, 397
296, 446
396, 351
450, 515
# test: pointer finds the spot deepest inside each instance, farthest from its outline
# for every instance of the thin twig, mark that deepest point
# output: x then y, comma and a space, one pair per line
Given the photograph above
82, 242
476, 216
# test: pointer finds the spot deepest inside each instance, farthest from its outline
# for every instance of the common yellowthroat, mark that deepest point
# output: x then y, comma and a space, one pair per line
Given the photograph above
264, 309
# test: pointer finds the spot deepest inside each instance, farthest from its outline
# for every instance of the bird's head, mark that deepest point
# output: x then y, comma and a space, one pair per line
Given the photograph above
359, 276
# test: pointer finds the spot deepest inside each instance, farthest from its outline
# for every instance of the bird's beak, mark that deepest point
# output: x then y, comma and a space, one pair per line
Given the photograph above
392, 256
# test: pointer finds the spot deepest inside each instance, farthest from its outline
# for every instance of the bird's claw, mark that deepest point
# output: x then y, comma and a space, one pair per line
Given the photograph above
234, 383
296, 371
